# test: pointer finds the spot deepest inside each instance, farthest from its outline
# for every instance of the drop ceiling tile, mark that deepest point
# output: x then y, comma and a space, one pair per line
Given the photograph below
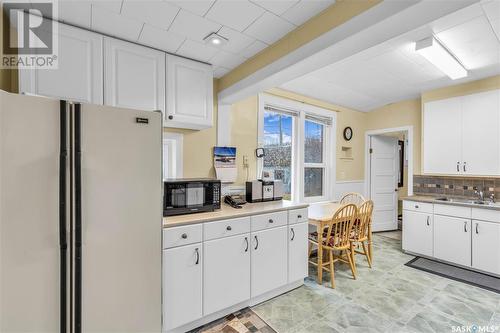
277, 7
198, 7
111, 23
460, 16
193, 26
269, 28
76, 13
305, 9
492, 9
111, 5
220, 71
234, 14
196, 50
474, 43
160, 39
253, 49
495, 24
154, 12
237, 41
226, 59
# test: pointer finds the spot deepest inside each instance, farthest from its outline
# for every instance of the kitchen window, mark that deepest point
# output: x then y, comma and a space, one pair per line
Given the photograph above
295, 137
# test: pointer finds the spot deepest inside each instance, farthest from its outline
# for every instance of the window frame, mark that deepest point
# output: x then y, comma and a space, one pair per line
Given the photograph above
298, 127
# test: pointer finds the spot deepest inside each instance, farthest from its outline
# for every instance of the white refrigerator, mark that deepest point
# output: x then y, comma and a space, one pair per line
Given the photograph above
80, 217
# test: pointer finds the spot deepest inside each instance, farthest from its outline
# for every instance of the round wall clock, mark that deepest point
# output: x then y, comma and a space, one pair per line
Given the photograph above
348, 133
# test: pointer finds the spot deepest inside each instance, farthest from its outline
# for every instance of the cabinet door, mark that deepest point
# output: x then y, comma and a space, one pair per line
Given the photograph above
269, 260
79, 73
417, 232
134, 76
226, 278
297, 252
480, 139
443, 136
452, 239
182, 285
486, 246
189, 94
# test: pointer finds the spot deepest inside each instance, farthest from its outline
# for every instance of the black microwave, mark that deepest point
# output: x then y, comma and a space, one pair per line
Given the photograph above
185, 196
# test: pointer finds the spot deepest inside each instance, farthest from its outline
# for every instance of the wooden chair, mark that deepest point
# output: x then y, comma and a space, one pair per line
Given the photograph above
361, 231
337, 238
352, 198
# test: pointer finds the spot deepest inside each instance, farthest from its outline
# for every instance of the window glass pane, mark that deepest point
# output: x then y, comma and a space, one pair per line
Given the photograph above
278, 149
313, 142
313, 182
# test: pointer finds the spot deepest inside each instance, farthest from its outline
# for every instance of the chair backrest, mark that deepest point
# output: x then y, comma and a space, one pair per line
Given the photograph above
339, 229
352, 198
360, 228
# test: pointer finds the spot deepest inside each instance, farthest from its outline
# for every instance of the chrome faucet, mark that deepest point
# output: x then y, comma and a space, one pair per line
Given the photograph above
492, 197
480, 194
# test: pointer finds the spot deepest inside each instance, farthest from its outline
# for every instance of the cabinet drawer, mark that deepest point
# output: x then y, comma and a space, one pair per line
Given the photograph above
415, 206
226, 228
266, 221
183, 235
449, 210
486, 215
297, 216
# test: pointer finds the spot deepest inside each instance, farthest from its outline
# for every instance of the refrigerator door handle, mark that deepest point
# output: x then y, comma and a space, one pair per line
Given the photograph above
78, 217
63, 241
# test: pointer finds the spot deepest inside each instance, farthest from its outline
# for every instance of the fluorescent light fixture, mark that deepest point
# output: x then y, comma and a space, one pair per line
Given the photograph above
439, 56
215, 39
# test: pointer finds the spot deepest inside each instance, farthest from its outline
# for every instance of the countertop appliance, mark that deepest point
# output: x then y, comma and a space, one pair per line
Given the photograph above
264, 190
191, 195
80, 217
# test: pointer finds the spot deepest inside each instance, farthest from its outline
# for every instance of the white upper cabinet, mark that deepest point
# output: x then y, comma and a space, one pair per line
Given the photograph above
189, 94
461, 135
134, 76
79, 74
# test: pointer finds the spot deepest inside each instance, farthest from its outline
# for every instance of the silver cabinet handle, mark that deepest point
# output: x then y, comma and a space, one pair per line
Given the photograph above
428, 218
257, 242
477, 228
465, 226
184, 236
465, 164
416, 206
299, 216
197, 256
229, 228
458, 166
246, 241
271, 221
293, 234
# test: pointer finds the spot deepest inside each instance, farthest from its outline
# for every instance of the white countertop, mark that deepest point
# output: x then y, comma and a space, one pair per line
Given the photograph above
228, 212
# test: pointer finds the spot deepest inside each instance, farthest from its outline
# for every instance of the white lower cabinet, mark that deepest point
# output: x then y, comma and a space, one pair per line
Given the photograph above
268, 260
418, 232
486, 246
297, 252
452, 237
226, 279
182, 285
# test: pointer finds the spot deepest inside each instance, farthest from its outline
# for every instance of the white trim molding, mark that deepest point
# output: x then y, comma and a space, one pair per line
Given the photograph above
348, 186
173, 148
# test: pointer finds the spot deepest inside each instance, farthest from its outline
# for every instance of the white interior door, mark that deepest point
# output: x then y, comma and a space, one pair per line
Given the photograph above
383, 182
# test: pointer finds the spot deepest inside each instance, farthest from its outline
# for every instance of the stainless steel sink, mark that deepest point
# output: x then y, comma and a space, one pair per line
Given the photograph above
468, 201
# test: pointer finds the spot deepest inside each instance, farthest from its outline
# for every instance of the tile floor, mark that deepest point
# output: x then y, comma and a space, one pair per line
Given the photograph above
390, 297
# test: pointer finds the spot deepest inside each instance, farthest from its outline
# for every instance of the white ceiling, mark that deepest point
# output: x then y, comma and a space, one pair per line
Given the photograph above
179, 26
393, 71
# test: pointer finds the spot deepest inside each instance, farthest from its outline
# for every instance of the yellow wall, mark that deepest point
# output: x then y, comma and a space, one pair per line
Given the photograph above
335, 15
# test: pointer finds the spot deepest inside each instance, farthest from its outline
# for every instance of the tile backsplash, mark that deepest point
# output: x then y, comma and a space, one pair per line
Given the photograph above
456, 186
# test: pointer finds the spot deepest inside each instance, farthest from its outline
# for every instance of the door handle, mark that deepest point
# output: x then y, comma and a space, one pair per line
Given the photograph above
257, 242
458, 166
246, 241
428, 218
293, 234
465, 226
197, 256
477, 228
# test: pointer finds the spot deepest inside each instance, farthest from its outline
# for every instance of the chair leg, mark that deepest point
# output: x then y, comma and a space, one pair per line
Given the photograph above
367, 254
332, 270
309, 251
350, 257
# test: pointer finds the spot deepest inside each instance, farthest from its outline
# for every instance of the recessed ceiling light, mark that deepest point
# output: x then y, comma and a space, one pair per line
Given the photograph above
215, 39
440, 57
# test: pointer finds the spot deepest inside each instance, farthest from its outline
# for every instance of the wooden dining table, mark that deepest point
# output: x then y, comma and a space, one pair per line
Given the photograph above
319, 216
